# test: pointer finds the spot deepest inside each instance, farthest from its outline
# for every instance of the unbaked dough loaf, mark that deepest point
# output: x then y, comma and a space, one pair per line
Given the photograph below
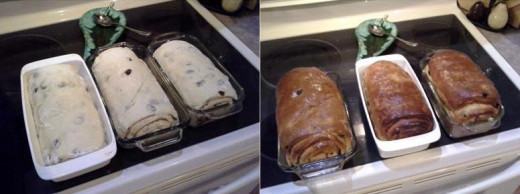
67, 123
135, 100
199, 82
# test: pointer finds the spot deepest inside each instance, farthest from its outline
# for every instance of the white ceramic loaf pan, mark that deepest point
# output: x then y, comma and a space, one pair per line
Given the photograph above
407, 145
77, 166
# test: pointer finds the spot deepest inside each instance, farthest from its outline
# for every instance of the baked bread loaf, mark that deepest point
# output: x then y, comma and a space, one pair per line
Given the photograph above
67, 122
311, 117
396, 106
135, 100
467, 95
201, 85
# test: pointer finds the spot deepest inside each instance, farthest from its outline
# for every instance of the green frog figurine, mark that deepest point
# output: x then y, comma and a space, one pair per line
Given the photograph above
370, 45
96, 35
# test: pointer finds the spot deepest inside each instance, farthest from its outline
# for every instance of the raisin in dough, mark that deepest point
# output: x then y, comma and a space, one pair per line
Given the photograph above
67, 123
135, 100
199, 82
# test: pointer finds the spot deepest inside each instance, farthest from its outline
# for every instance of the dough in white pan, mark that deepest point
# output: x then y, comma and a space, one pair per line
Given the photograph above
67, 122
135, 100
201, 85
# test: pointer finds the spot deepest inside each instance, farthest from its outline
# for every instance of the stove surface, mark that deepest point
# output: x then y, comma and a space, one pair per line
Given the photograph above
20, 48
442, 32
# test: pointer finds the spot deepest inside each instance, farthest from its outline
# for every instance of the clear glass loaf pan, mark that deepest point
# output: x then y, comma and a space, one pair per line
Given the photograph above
198, 117
76, 166
452, 128
402, 146
325, 166
155, 140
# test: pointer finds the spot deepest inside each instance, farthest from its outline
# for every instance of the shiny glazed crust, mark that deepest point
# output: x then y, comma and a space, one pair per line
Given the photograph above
396, 106
467, 94
311, 117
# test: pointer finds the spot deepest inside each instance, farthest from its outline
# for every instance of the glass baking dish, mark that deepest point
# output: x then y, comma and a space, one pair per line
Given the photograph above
198, 117
155, 140
325, 166
454, 129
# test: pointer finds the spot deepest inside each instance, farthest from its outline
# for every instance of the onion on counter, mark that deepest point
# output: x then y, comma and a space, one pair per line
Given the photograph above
498, 17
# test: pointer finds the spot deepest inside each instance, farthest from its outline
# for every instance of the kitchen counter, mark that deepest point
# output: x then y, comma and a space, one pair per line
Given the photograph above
507, 44
244, 25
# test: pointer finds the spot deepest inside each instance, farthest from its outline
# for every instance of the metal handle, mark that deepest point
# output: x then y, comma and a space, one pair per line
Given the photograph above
142, 33
108, 8
160, 141
409, 43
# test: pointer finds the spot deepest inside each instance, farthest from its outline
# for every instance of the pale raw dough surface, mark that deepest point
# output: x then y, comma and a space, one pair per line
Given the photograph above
196, 78
135, 100
67, 122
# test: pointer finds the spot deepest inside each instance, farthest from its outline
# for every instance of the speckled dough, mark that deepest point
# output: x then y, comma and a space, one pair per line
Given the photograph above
135, 100
199, 82
67, 123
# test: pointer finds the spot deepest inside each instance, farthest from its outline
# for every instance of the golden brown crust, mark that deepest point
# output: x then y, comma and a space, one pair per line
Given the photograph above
311, 118
467, 94
396, 106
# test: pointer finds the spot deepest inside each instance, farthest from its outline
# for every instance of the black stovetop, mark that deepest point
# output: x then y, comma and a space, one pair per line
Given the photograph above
20, 48
336, 51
